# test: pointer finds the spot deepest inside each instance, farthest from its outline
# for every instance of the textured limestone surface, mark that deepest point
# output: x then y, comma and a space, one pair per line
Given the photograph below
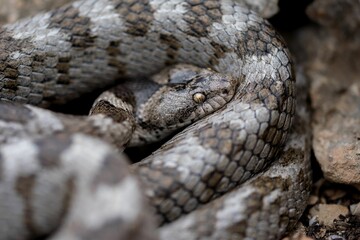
327, 50
266, 8
332, 64
12, 10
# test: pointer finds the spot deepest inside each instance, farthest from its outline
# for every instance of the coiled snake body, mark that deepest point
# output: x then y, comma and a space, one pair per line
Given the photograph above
72, 186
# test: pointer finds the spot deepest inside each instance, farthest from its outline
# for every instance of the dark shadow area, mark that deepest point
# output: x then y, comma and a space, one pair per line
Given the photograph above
291, 15
80, 106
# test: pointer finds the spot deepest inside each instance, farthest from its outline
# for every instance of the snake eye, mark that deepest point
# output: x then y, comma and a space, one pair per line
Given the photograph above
199, 97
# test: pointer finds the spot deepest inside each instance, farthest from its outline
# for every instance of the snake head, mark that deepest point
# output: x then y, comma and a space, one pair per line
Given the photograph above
189, 95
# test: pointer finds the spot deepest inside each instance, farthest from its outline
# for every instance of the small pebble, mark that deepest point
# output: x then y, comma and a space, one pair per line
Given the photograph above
355, 209
336, 237
327, 213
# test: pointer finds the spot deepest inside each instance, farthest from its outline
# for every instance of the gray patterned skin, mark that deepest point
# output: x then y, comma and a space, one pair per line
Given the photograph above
24, 121
266, 206
59, 55
133, 113
174, 98
55, 161
43, 185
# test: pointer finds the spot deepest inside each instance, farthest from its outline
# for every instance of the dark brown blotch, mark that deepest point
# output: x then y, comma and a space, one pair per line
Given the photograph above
14, 112
138, 15
78, 27
201, 15
164, 180
11, 73
112, 229
50, 149
219, 52
288, 156
10, 84
63, 67
24, 186
253, 204
69, 195
109, 110
259, 40
9, 66
112, 172
125, 94
269, 184
69, 20
114, 52
1, 168
173, 45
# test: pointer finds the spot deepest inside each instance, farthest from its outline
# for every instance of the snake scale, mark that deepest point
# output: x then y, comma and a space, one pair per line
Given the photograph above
60, 184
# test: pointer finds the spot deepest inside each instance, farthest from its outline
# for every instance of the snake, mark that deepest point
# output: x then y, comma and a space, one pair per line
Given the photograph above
232, 96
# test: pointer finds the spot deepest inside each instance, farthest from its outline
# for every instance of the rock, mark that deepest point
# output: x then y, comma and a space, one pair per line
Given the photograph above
336, 134
331, 63
266, 8
334, 194
298, 234
313, 200
327, 213
355, 209
335, 237
329, 55
12, 10
328, 12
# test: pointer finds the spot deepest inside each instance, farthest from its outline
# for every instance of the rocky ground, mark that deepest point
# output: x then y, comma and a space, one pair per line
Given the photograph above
326, 49
11, 10
324, 37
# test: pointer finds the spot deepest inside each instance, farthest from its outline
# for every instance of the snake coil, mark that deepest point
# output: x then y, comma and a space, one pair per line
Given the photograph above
72, 186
